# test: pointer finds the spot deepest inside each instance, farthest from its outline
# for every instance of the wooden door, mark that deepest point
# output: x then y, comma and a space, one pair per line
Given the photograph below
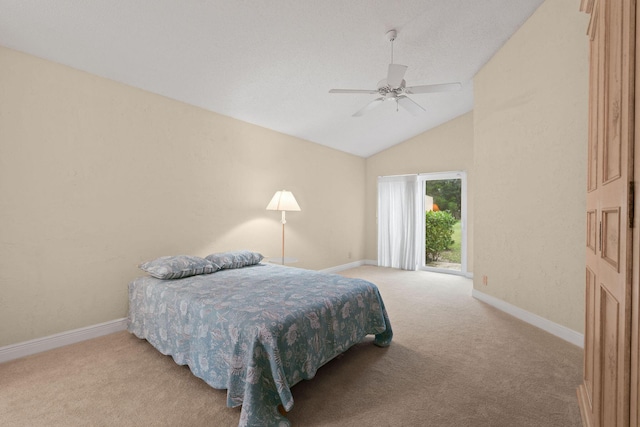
635, 283
604, 395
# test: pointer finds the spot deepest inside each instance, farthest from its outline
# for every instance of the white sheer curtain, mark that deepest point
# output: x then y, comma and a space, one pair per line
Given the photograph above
398, 222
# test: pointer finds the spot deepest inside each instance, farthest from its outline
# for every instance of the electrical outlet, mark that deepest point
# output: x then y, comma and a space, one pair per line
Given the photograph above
485, 280
349, 255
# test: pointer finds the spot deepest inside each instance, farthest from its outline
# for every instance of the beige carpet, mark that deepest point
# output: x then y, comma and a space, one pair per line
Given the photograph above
455, 361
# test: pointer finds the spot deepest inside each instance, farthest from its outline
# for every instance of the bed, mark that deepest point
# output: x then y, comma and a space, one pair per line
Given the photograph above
256, 330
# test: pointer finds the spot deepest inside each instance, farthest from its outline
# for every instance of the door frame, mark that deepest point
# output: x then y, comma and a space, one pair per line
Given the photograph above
439, 176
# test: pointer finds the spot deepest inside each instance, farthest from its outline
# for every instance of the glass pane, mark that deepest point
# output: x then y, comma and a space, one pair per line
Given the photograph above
443, 227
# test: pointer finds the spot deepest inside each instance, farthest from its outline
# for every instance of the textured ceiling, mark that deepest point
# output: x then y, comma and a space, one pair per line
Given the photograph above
272, 63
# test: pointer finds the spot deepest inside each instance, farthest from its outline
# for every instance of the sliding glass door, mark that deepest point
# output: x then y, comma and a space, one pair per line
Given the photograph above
444, 222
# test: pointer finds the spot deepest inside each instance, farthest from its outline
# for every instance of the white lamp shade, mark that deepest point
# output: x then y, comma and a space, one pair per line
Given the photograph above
283, 201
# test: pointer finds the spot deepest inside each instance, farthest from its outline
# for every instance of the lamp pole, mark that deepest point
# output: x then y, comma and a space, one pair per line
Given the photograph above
284, 221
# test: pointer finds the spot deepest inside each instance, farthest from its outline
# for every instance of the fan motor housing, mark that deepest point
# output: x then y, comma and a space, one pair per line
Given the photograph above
390, 92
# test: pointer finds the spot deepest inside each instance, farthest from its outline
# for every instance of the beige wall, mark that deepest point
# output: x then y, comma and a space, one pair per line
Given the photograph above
524, 149
96, 177
448, 147
530, 139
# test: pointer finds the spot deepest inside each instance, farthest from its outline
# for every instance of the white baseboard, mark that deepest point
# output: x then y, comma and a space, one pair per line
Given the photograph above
38, 345
354, 264
342, 267
553, 328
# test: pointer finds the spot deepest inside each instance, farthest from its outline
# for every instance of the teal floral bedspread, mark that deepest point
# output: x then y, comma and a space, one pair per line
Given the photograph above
256, 331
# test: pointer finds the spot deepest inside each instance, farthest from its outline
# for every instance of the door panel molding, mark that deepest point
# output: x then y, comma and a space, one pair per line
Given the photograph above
609, 347
610, 238
589, 336
592, 219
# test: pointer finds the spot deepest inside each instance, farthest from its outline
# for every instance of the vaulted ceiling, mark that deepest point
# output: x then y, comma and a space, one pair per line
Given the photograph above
272, 63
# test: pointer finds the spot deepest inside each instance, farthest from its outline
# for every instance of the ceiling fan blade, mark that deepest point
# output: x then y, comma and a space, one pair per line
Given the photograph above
369, 91
409, 105
369, 106
396, 74
444, 87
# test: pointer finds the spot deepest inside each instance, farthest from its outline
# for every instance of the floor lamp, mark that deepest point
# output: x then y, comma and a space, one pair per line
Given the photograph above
283, 201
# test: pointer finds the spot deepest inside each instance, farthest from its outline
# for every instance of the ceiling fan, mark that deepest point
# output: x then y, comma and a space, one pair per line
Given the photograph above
394, 88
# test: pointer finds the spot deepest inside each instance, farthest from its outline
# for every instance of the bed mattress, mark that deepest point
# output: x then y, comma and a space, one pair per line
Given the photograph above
256, 331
